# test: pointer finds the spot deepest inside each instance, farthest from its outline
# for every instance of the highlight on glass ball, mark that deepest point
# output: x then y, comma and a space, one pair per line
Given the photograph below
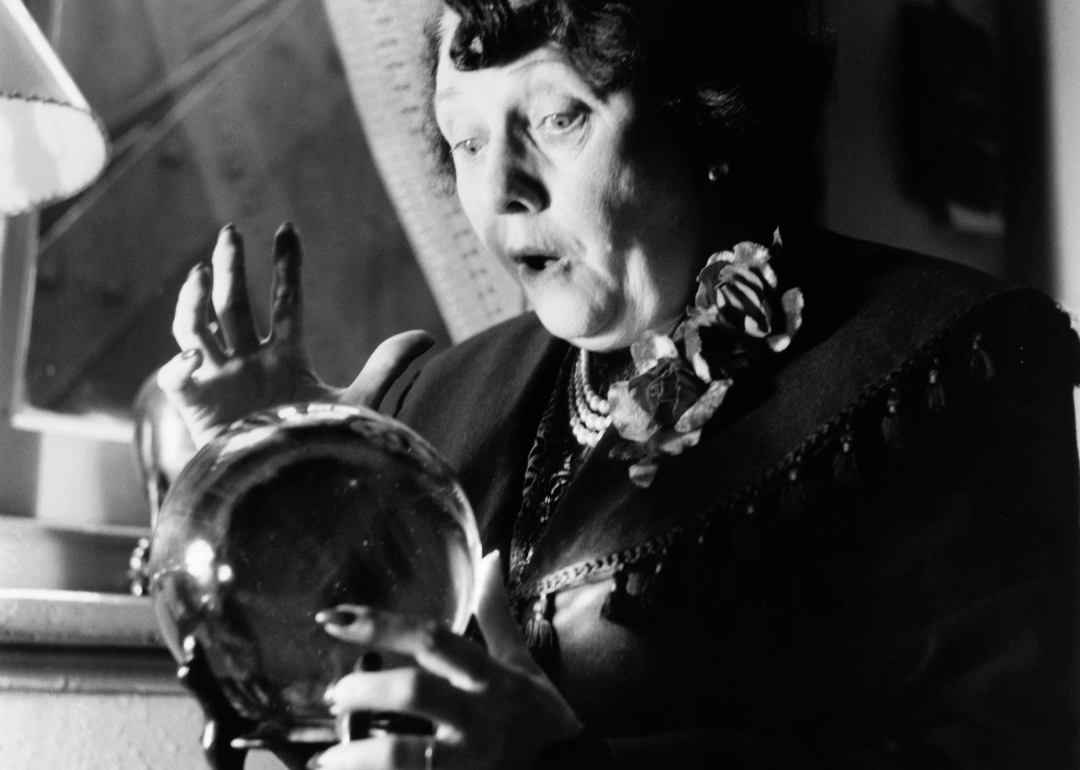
292, 511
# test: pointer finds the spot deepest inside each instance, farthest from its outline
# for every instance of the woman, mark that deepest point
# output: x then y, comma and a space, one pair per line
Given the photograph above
824, 515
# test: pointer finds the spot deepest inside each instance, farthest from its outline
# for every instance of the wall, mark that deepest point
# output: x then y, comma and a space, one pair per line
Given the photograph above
864, 196
193, 91
18, 450
77, 727
1064, 94
56, 477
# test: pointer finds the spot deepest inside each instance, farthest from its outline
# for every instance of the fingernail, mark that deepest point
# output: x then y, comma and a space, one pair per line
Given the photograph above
336, 617
314, 763
286, 241
328, 696
189, 353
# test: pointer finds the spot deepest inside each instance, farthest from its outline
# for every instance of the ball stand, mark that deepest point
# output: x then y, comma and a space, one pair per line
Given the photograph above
227, 737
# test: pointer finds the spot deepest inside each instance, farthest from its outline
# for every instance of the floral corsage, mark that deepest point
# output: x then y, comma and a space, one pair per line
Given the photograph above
739, 318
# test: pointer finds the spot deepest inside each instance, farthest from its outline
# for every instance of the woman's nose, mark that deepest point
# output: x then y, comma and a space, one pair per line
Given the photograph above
513, 187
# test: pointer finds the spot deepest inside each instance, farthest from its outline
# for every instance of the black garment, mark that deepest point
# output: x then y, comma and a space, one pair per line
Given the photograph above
871, 565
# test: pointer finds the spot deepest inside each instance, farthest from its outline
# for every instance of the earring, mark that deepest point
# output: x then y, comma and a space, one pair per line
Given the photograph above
717, 171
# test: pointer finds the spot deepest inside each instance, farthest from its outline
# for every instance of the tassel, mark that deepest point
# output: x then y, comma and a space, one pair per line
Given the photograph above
654, 596
619, 605
793, 495
540, 633
744, 538
935, 391
979, 363
703, 535
892, 426
846, 463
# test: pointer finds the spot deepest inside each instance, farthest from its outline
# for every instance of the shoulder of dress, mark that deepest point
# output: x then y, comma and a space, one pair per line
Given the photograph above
898, 296
479, 402
515, 345
925, 347
508, 335
875, 316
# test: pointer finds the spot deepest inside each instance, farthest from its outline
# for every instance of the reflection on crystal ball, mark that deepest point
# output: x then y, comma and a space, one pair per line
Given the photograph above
292, 511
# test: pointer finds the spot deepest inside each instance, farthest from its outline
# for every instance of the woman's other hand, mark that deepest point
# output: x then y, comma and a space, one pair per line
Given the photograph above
493, 710
228, 373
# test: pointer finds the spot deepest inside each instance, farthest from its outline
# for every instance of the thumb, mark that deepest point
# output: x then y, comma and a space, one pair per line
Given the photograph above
386, 364
495, 618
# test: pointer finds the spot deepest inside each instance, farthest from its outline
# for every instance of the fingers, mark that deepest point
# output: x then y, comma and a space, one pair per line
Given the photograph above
190, 328
286, 316
230, 296
410, 690
385, 365
496, 620
408, 752
432, 645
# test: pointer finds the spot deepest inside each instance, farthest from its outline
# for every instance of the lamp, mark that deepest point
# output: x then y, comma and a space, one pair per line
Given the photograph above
51, 145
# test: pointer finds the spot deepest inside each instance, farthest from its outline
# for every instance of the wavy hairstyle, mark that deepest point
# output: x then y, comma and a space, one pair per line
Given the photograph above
743, 82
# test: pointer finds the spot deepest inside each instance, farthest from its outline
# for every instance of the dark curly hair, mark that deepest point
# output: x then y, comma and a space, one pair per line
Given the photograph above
743, 82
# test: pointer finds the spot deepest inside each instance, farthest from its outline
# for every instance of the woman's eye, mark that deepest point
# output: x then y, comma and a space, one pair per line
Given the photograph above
560, 122
469, 146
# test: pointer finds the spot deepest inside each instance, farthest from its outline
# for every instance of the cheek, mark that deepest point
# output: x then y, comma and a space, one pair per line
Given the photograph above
638, 188
658, 206
608, 206
483, 225
654, 217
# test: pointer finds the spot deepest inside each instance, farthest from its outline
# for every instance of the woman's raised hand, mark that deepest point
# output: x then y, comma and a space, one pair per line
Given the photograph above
493, 710
226, 373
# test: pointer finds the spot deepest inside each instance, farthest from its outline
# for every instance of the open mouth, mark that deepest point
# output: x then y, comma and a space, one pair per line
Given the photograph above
535, 263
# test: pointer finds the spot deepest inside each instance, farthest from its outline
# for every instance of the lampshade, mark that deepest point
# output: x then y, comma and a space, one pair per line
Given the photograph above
51, 144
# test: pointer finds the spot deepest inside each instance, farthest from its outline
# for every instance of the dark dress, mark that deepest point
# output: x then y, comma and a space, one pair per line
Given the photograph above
871, 563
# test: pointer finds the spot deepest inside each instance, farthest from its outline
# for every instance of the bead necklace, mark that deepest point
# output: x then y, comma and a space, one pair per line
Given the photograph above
589, 413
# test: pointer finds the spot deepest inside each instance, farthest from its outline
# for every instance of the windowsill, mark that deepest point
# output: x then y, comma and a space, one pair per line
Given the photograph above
78, 642
74, 558
31, 616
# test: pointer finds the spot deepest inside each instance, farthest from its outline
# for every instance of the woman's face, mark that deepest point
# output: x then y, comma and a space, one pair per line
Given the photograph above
587, 199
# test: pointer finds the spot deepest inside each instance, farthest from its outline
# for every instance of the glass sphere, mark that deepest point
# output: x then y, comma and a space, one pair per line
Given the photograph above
295, 510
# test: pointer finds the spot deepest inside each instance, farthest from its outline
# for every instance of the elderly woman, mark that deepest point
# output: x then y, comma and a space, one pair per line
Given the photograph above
769, 497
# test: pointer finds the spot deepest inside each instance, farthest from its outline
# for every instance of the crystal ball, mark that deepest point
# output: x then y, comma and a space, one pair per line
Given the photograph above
291, 511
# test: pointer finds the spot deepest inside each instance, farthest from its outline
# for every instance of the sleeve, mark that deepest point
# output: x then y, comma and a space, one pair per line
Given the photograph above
992, 686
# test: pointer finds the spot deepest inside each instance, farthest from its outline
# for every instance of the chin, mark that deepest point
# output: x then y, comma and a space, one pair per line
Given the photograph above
603, 343
582, 329
620, 334
594, 337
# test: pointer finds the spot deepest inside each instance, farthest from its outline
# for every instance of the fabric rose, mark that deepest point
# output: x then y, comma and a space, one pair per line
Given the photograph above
737, 289
739, 317
662, 409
